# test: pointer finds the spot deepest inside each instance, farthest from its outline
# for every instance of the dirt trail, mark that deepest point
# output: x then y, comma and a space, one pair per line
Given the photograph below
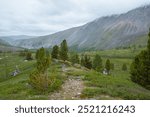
71, 89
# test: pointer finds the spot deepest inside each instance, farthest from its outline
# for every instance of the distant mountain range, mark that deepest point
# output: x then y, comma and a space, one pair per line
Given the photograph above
5, 46
103, 33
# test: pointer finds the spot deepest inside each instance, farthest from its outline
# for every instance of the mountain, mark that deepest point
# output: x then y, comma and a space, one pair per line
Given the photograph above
5, 46
3, 43
103, 33
12, 39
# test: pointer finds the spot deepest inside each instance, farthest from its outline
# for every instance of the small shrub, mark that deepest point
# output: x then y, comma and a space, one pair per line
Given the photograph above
39, 81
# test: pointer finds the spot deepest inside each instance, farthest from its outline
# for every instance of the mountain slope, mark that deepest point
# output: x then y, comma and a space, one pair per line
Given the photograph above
12, 39
3, 43
5, 46
103, 33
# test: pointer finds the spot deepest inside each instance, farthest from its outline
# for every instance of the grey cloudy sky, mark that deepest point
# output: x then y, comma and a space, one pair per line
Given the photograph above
41, 17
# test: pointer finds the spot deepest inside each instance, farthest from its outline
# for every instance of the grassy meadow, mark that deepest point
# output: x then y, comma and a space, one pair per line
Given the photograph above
117, 85
17, 87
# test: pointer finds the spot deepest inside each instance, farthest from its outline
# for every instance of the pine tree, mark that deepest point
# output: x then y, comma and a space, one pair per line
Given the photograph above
148, 43
87, 62
97, 63
29, 56
43, 60
108, 66
75, 58
64, 50
140, 67
37, 54
39, 78
124, 67
55, 52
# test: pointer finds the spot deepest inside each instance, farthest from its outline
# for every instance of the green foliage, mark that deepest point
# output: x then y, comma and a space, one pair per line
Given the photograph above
75, 58
64, 50
55, 52
140, 68
97, 63
124, 67
116, 86
82, 60
112, 66
39, 81
37, 54
43, 60
148, 44
29, 56
18, 88
23, 53
86, 61
39, 78
108, 65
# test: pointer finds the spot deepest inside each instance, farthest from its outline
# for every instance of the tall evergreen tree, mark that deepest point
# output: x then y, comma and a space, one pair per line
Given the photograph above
55, 52
97, 63
39, 78
43, 60
140, 68
64, 50
108, 65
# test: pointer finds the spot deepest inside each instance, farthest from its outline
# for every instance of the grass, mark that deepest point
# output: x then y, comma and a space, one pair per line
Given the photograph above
116, 53
17, 87
117, 85
98, 86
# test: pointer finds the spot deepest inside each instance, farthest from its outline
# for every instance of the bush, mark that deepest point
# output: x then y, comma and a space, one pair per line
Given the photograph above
39, 81
29, 56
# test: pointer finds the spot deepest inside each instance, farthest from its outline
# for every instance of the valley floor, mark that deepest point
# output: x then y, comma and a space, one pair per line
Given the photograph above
72, 81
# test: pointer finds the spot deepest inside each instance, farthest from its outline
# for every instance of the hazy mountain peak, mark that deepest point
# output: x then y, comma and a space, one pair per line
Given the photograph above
102, 33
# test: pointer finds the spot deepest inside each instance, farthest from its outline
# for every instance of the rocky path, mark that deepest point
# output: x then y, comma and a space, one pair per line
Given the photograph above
71, 89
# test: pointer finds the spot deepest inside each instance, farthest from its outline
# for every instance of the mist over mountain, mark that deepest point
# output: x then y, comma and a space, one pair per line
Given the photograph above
103, 33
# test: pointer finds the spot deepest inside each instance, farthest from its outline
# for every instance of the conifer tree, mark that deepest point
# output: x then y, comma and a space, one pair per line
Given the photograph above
29, 56
75, 58
97, 63
87, 62
39, 78
55, 52
43, 60
140, 67
37, 54
64, 50
108, 65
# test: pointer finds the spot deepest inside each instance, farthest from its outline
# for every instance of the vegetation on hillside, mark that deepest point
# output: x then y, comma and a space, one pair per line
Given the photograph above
140, 68
45, 74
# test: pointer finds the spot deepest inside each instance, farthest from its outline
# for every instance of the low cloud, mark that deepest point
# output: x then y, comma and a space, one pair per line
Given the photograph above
41, 17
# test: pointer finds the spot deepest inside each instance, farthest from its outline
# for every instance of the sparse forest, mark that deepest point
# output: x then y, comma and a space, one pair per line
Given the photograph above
60, 73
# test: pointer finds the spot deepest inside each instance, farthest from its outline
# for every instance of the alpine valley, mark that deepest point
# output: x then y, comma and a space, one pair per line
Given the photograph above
103, 33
